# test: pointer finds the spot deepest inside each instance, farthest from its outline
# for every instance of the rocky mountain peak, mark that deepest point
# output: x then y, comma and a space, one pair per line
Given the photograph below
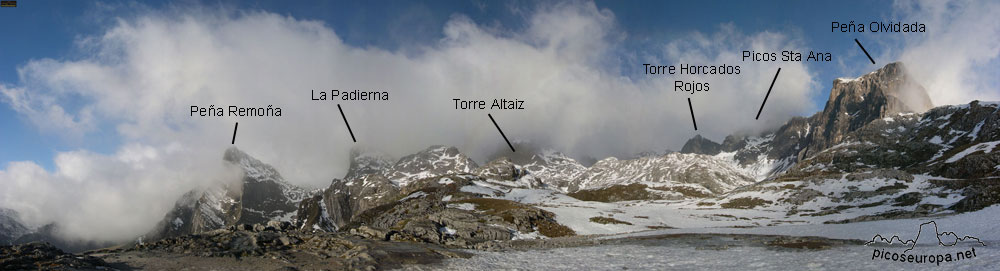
255, 170
260, 196
886, 91
367, 161
433, 161
505, 171
701, 145
855, 102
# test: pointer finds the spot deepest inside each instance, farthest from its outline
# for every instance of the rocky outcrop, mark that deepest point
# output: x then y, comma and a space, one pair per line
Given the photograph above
10, 226
52, 234
336, 205
44, 256
854, 103
433, 161
500, 169
504, 172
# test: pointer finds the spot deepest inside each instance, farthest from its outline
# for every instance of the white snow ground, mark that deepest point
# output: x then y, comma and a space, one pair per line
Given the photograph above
646, 256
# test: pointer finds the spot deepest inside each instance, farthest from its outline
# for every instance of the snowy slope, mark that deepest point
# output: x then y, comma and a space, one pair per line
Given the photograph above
708, 174
433, 161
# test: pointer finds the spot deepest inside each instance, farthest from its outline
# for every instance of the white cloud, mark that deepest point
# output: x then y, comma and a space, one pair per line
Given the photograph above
957, 58
145, 73
107, 197
47, 114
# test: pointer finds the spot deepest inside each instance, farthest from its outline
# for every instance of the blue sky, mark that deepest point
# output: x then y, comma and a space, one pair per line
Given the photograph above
43, 29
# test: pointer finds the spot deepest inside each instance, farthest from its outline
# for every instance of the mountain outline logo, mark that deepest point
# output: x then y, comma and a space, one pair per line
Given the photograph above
913, 242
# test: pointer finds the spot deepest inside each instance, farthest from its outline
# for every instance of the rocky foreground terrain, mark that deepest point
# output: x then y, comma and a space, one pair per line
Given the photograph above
274, 247
877, 151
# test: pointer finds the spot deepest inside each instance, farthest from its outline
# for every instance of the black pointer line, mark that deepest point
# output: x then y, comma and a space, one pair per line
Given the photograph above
234, 133
501, 133
768, 93
345, 123
692, 115
866, 51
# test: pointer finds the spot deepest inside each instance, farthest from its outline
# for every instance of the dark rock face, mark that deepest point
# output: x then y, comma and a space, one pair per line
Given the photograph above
433, 161
953, 148
967, 136
420, 205
701, 145
265, 195
335, 206
501, 169
790, 139
312, 214
949, 141
854, 103
428, 214
261, 195
44, 256
366, 162
294, 248
504, 170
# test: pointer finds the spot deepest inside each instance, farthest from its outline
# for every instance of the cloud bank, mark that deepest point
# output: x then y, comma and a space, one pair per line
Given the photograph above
957, 58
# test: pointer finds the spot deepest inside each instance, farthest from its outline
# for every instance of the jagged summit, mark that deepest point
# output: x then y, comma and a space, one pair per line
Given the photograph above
699, 144
435, 160
855, 102
254, 169
694, 172
11, 226
893, 83
261, 195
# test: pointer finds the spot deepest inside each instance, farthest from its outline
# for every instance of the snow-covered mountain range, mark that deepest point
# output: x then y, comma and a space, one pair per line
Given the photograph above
878, 150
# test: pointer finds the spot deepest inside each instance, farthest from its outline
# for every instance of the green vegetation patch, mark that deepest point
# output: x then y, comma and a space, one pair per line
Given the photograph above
745, 203
607, 220
506, 210
684, 190
616, 193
